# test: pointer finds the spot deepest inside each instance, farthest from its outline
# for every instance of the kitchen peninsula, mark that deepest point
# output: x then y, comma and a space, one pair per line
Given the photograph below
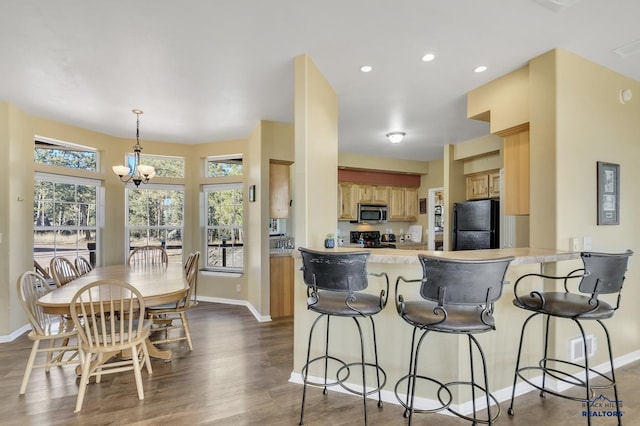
447, 356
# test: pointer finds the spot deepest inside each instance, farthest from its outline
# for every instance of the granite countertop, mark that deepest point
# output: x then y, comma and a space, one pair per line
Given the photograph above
522, 255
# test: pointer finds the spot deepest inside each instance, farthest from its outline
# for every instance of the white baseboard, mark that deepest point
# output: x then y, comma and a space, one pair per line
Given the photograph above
239, 302
15, 334
466, 408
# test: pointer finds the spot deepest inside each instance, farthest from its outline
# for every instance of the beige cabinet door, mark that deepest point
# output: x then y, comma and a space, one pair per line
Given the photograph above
347, 203
281, 277
365, 193
516, 171
477, 186
411, 204
494, 185
397, 196
380, 194
278, 191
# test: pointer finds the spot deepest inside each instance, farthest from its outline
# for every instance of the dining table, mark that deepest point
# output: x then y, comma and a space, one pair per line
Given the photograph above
157, 284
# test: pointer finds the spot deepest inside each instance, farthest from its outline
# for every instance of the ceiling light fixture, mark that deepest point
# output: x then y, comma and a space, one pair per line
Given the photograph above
395, 137
481, 68
139, 173
428, 57
366, 68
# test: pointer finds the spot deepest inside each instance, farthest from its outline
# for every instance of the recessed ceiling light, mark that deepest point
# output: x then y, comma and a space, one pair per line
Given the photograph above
428, 57
481, 68
366, 68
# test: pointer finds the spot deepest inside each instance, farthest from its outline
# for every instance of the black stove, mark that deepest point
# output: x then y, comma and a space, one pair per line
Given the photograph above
369, 239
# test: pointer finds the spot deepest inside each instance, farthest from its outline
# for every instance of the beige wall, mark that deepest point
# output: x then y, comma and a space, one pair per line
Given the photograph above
372, 162
316, 172
576, 119
589, 114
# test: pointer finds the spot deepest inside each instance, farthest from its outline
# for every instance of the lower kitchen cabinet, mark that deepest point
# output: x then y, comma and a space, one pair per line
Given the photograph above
281, 282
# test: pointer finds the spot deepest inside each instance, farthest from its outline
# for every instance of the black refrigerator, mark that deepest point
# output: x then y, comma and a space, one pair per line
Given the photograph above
476, 225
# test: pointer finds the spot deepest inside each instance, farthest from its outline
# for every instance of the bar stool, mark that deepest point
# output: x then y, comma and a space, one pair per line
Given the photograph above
602, 274
458, 297
335, 284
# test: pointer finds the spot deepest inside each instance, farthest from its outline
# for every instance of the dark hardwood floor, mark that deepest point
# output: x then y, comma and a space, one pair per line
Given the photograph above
237, 374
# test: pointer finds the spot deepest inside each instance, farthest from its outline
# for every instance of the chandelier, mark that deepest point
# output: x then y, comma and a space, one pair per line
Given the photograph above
140, 173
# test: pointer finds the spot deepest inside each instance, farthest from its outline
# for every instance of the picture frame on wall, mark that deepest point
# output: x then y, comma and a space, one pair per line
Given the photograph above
608, 193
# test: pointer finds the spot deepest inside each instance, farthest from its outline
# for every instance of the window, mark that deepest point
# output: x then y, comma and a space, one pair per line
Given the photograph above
65, 217
55, 153
155, 216
224, 166
224, 220
171, 167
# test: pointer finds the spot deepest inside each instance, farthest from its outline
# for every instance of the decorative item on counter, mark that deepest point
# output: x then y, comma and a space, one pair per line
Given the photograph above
329, 241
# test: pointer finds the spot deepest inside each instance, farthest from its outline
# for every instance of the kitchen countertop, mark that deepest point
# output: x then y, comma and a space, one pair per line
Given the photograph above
521, 256
281, 252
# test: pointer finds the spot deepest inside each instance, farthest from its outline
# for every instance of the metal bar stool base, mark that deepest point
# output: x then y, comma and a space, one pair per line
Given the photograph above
363, 393
405, 404
325, 384
489, 419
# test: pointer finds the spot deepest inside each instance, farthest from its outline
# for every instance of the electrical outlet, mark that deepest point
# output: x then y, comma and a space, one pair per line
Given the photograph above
574, 244
586, 243
238, 288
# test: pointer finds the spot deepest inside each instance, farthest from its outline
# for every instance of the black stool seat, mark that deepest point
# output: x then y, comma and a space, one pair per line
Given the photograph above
602, 274
335, 288
460, 319
334, 303
566, 305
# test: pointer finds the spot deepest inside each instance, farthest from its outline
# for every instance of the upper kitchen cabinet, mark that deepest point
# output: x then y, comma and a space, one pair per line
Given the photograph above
515, 194
374, 194
347, 201
403, 204
483, 185
279, 197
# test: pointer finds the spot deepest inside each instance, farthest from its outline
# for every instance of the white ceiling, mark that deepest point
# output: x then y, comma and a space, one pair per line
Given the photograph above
209, 70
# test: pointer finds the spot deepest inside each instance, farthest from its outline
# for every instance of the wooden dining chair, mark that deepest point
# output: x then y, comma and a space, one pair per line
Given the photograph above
62, 271
109, 316
37, 267
148, 255
82, 265
165, 315
60, 336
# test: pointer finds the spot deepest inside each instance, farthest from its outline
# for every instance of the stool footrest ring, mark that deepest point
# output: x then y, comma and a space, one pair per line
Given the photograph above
347, 367
303, 371
445, 405
471, 419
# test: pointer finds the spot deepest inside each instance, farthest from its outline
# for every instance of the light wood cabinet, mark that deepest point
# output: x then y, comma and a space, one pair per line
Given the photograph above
401, 201
403, 204
483, 185
347, 201
281, 286
515, 194
279, 191
365, 193
380, 194
375, 194
494, 185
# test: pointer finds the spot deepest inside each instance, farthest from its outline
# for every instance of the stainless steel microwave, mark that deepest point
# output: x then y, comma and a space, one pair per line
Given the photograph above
372, 213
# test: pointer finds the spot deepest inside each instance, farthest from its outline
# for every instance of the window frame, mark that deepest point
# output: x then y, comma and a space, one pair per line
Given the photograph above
205, 190
99, 211
73, 146
128, 228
